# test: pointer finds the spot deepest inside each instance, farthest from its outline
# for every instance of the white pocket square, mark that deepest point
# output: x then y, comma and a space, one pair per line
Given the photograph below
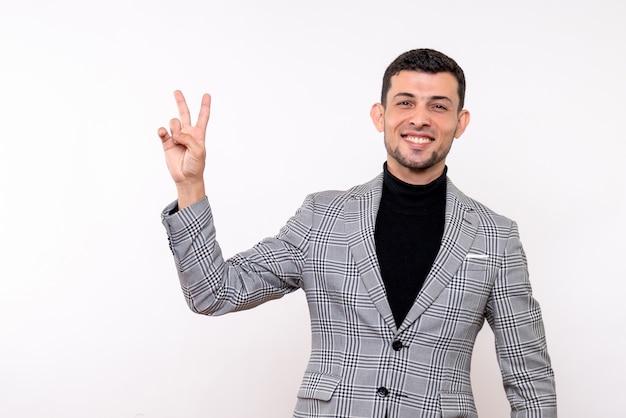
477, 256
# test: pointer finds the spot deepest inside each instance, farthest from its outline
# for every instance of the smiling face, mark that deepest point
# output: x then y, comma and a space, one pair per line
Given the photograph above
420, 121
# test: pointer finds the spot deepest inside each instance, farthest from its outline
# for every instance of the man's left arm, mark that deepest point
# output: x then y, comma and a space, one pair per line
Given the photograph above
515, 318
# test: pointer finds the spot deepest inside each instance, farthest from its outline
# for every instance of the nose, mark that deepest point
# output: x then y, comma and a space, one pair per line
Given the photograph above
420, 117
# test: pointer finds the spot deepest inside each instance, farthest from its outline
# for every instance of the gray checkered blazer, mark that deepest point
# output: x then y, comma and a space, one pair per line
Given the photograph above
361, 364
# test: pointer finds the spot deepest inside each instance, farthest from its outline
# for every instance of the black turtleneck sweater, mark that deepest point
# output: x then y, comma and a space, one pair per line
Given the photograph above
409, 227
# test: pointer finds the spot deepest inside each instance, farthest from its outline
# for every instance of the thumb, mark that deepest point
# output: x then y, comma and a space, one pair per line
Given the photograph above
188, 141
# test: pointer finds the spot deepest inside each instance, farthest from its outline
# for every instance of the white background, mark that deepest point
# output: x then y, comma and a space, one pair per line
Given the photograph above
92, 320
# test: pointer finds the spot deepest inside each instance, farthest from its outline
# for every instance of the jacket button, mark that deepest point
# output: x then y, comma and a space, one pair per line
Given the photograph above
382, 391
397, 345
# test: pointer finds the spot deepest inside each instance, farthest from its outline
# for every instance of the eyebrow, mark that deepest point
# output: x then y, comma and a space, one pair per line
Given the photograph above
411, 95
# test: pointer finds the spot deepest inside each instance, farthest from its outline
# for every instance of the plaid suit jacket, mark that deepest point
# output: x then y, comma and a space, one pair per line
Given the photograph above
361, 364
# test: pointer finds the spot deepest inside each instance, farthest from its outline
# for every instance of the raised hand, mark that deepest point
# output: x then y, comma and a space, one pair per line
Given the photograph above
184, 149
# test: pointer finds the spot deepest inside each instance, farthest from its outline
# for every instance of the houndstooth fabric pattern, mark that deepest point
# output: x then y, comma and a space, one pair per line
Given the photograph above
361, 364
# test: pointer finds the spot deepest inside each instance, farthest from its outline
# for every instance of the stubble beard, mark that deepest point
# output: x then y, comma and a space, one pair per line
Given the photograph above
431, 161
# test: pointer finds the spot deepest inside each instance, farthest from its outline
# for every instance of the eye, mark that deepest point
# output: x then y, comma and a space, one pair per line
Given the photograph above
404, 103
439, 107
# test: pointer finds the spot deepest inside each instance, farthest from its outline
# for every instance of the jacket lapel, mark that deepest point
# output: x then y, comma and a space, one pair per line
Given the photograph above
360, 222
461, 224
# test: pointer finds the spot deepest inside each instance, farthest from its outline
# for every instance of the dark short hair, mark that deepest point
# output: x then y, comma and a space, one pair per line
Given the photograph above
426, 61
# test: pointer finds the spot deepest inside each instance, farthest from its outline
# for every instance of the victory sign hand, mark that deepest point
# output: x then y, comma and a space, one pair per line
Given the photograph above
184, 149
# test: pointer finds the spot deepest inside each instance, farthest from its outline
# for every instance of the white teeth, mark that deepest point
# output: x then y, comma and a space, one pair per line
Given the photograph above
417, 139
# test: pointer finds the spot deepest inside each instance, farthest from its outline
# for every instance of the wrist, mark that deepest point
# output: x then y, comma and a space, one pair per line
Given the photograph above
190, 193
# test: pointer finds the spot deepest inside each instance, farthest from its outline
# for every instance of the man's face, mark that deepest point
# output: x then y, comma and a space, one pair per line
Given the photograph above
420, 121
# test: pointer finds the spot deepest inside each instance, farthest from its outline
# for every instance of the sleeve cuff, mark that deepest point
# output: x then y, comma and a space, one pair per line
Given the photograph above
176, 220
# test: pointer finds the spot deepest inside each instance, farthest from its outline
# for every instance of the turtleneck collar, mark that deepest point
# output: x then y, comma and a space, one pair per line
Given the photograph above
406, 194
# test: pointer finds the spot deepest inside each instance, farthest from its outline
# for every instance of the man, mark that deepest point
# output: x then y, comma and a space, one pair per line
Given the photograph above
400, 273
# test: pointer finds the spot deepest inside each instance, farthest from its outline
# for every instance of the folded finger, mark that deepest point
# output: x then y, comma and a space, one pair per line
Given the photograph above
189, 142
175, 127
163, 134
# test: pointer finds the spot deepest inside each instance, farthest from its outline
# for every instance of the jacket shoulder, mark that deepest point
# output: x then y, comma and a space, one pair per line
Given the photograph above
485, 213
368, 190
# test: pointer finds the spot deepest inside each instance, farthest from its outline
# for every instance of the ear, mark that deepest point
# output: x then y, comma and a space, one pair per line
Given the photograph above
377, 113
462, 122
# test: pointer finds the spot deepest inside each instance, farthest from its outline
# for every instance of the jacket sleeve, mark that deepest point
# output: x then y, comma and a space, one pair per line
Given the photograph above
214, 286
515, 318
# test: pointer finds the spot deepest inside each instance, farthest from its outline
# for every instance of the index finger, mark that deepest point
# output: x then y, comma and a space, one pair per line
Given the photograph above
183, 110
205, 111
